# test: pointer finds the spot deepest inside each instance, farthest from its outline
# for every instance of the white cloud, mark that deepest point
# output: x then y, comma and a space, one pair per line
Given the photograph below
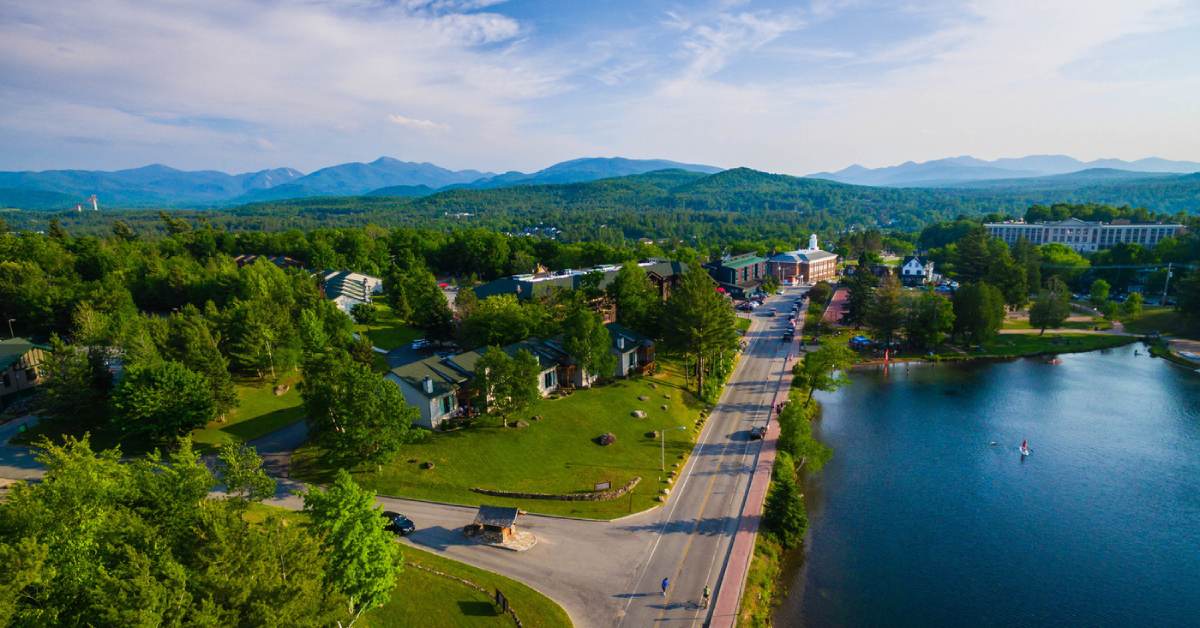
416, 123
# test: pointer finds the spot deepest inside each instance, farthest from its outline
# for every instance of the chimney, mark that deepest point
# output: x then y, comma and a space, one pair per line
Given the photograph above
427, 385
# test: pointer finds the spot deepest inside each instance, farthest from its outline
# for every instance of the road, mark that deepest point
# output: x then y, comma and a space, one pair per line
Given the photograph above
608, 573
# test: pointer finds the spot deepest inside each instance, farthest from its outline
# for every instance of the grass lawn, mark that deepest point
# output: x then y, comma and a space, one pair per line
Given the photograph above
556, 454
742, 324
259, 412
422, 598
1023, 323
1164, 320
388, 332
1015, 345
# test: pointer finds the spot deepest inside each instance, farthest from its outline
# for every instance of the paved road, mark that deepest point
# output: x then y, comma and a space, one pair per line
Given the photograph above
16, 462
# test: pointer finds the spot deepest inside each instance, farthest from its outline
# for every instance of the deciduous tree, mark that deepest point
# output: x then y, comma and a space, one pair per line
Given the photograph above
1052, 306
160, 402
589, 343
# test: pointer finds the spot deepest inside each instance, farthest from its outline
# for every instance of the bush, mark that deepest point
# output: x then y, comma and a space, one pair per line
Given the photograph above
365, 313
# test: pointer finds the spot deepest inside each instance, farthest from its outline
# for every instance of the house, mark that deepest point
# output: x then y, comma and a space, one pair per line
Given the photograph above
434, 387
916, 272
738, 275
347, 289
634, 351
21, 363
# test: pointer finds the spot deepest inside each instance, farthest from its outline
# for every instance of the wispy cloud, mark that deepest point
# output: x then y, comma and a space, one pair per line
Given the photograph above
417, 123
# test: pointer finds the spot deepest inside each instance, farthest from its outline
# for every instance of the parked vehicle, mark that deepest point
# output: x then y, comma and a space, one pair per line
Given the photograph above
771, 313
758, 433
788, 336
419, 343
398, 523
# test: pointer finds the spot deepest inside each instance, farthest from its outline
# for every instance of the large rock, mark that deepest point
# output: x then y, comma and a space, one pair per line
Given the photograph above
638, 414
643, 397
606, 439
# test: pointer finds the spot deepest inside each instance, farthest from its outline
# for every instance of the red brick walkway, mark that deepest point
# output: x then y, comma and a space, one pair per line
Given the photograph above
837, 307
733, 583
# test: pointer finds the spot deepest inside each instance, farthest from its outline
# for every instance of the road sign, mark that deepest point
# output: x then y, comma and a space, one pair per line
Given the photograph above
501, 601
603, 486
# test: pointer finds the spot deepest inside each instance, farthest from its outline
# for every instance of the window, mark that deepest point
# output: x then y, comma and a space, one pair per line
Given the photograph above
549, 379
30, 375
447, 404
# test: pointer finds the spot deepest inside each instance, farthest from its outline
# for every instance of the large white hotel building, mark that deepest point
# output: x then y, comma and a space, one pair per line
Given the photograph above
1081, 235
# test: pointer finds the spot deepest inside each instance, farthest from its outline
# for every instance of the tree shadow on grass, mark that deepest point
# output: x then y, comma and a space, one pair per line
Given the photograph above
264, 424
477, 609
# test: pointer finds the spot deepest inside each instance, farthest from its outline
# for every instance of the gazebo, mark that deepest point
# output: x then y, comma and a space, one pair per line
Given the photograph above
496, 521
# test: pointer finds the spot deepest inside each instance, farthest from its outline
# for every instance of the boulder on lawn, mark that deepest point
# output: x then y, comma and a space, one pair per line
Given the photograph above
665, 406
536, 417
643, 397
606, 439
426, 465
665, 491
520, 425
653, 385
638, 414
281, 390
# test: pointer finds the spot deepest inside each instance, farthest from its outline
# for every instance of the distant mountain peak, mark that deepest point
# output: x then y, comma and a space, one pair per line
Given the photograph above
951, 171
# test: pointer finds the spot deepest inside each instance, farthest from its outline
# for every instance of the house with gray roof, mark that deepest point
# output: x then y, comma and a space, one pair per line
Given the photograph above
347, 289
20, 365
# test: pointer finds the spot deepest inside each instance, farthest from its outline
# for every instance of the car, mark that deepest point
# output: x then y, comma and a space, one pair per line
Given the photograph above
758, 433
771, 313
398, 523
788, 337
419, 343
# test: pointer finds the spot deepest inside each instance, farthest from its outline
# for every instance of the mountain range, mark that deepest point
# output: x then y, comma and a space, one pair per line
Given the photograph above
959, 171
162, 186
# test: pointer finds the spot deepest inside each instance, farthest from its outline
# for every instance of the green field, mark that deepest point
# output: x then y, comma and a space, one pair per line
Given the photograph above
1163, 320
556, 454
388, 332
422, 598
259, 412
1023, 323
1016, 345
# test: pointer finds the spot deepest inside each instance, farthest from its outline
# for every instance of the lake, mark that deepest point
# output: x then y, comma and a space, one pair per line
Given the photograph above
919, 520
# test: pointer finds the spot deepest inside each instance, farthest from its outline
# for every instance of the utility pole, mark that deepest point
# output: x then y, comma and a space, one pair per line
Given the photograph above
1166, 282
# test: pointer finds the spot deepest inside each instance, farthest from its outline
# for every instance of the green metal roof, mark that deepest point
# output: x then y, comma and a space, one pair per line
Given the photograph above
739, 262
12, 349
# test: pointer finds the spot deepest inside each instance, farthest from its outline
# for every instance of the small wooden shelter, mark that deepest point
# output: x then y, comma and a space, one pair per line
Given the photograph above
498, 521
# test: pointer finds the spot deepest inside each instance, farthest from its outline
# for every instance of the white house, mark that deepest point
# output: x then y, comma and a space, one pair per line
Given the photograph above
915, 272
432, 386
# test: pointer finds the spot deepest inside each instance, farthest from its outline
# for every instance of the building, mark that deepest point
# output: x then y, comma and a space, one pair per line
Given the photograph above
916, 272
663, 274
808, 265
347, 289
738, 275
439, 387
434, 387
496, 523
20, 365
634, 351
1083, 236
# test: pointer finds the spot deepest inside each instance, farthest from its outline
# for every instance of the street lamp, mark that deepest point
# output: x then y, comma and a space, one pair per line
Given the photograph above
10, 331
663, 443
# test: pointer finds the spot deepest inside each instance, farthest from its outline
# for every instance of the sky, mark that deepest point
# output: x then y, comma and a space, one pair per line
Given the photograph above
790, 87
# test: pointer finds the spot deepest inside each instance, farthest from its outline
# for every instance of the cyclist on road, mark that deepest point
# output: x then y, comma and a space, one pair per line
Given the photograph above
707, 594
666, 584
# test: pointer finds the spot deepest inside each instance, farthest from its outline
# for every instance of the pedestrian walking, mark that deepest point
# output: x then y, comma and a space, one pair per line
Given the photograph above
666, 583
704, 600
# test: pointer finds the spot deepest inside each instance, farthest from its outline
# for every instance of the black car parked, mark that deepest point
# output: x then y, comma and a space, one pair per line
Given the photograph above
398, 523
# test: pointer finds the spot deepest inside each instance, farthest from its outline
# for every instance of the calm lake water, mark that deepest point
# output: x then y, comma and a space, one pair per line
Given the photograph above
919, 521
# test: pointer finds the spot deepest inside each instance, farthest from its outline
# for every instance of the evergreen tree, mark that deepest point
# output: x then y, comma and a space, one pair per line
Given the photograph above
973, 256
193, 344
861, 293
699, 322
978, 311
783, 513
885, 314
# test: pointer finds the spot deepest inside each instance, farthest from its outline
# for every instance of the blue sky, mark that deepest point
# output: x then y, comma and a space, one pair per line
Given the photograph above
790, 87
